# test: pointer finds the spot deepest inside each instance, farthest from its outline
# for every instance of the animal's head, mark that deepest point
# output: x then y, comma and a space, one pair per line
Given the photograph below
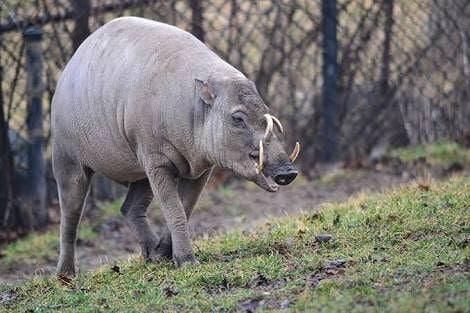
239, 133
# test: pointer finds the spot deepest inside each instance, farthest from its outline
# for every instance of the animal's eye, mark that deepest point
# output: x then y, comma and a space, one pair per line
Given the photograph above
237, 119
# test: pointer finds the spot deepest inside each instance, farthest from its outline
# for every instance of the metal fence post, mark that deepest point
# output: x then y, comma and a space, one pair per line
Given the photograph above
35, 88
330, 75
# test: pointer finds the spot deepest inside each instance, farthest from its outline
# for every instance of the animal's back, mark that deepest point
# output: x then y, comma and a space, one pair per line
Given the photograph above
115, 84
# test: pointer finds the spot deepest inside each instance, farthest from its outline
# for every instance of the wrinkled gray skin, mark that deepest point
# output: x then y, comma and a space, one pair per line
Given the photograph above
150, 106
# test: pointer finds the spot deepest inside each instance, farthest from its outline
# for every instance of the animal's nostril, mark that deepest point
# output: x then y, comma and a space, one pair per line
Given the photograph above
285, 178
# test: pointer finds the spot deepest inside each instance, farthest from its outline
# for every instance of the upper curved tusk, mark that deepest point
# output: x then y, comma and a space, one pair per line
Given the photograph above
261, 156
295, 152
278, 123
269, 125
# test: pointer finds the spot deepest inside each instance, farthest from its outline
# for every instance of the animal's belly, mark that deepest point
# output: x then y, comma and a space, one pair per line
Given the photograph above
116, 163
125, 174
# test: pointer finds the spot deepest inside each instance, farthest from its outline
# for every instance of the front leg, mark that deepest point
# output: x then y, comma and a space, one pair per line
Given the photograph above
189, 191
164, 186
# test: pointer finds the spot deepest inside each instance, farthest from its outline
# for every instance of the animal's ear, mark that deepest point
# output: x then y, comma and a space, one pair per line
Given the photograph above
205, 91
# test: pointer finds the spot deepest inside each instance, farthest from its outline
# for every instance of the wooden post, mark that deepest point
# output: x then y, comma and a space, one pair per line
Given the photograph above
6, 170
81, 16
34, 121
197, 19
386, 53
330, 76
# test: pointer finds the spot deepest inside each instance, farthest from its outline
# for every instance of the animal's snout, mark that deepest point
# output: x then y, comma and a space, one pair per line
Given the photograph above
285, 175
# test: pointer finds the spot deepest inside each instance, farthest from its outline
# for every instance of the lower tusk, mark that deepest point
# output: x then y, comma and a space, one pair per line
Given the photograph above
261, 156
278, 123
295, 152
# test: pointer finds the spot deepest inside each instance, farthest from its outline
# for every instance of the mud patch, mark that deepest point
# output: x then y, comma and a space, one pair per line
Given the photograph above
330, 270
8, 296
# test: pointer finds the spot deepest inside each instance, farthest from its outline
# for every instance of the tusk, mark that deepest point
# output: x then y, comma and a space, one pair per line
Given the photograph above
278, 123
261, 156
295, 152
269, 125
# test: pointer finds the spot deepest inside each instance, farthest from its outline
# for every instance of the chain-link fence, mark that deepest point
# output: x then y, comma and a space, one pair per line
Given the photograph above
344, 76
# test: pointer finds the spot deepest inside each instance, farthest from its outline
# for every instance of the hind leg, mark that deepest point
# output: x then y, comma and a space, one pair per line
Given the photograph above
73, 182
134, 208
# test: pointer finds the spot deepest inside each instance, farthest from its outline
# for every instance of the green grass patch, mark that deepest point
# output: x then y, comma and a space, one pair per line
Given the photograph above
438, 153
334, 177
109, 209
403, 251
37, 248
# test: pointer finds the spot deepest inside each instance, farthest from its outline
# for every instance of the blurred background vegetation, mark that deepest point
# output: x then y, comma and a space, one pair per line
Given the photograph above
351, 80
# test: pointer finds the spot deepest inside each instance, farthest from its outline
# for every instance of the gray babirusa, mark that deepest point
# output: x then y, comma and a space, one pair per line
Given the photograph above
150, 106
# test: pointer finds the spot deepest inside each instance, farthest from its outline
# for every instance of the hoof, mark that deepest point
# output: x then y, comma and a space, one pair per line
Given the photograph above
65, 278
65, 270
164, 250
185, 260
153, 251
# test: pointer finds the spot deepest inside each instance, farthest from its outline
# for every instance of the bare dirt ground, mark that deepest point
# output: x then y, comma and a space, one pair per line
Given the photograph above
238, 206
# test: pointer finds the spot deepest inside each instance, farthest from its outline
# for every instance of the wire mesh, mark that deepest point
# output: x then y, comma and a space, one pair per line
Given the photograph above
403, 65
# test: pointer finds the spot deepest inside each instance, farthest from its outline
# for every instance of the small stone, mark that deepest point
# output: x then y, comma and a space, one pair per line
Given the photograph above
260, 280
170, 291
8, 296
251, 305
290, 242
336, 264
285, 304
116, 269
323, 238
137, 294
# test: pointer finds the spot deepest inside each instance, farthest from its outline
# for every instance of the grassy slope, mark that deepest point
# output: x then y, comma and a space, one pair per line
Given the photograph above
37, 248
438, 153
404, 251
40, 247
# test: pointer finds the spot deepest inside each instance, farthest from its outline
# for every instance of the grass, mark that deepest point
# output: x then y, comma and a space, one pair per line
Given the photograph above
438, 153
403, 251
333, 178
38, 248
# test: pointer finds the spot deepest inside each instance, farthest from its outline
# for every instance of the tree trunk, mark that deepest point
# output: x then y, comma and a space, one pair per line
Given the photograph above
11, 222
81, 17
35, 87
6, 164
330, 75
386, 59
197, 19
